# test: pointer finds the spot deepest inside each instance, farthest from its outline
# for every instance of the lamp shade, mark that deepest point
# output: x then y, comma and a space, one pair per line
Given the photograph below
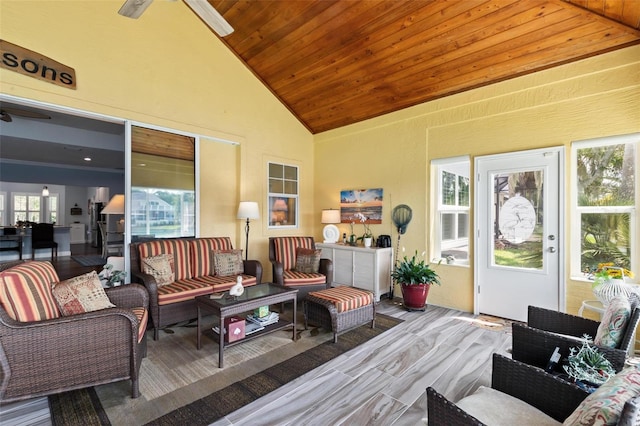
330, 216
115, 205
248, 210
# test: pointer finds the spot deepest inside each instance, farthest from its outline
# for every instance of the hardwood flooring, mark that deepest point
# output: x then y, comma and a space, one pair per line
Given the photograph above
381, 382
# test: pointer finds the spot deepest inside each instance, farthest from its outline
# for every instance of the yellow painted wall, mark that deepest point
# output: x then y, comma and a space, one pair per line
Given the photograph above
168, 69
592, 98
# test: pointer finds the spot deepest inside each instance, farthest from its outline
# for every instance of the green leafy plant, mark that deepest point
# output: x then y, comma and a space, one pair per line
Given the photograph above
414, 271
112, 277
587, 364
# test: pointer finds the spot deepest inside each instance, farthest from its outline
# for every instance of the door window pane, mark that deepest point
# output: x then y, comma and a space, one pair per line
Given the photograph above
517, 219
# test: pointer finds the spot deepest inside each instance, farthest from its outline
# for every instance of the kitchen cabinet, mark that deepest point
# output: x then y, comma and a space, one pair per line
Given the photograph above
361, 267
77, 233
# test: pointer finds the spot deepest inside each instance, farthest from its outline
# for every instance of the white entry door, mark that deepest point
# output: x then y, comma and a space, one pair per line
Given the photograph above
518, 232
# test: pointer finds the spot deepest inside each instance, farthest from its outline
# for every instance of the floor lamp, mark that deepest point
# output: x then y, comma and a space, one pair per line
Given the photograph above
248, 210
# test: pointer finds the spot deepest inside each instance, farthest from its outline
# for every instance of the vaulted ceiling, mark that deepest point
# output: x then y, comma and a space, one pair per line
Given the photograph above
334, 63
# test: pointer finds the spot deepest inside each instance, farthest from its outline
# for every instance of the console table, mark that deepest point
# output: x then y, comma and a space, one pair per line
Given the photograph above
362, 267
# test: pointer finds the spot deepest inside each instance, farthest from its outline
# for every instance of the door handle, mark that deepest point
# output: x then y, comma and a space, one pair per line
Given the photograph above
552, 249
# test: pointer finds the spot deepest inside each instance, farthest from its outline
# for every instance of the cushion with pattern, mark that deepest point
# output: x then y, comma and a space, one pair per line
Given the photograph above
307, 260
160, 267
604, 406
614, 322
81, 294
228, 262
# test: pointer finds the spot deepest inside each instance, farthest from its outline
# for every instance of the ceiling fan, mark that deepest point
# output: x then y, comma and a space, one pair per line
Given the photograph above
202, 8
6, 113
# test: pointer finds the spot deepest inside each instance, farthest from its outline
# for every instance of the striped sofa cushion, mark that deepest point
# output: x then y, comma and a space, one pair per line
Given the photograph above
345, 298
285, 249
178, 247
200, 250
25, 291
294, 278
143, 316
182, 290
218, 283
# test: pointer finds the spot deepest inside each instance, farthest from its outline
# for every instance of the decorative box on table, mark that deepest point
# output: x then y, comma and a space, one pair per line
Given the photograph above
234, 327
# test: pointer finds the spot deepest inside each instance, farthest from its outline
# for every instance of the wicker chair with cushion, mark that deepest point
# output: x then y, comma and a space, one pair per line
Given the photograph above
296, 263
547, 329
67, 335
520, 391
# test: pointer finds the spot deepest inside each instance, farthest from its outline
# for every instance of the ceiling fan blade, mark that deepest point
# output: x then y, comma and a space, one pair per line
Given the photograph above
134, 8
210, 16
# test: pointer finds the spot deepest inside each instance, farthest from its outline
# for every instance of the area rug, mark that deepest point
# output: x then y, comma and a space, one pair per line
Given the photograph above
79, 407
225, 401
228, 399
90, 260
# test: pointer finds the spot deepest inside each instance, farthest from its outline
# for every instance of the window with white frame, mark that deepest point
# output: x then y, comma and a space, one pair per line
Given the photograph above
283, 195
27, 207
450, 186
51, 208
605, 204
35, 208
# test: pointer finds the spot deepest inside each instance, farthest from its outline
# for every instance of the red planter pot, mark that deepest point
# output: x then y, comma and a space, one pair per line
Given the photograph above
415, 296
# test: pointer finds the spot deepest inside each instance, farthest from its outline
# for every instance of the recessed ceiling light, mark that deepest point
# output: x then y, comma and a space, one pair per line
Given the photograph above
141, 165
87, 158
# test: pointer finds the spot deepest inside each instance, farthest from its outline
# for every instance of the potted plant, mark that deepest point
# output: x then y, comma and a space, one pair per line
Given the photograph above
367, 237
415, 277
110, 277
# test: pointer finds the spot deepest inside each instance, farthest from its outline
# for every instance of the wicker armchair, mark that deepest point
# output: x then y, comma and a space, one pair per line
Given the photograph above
547, 329
282, 254
618, 400
549, 394
56, 355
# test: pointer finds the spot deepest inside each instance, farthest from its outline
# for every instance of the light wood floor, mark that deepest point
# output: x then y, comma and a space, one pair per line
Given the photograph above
382, 382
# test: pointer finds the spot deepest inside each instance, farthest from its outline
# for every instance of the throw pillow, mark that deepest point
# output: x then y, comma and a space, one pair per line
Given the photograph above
25, 291
604, 406
81, 294
160, 267
228, 262
614, 322
307, 260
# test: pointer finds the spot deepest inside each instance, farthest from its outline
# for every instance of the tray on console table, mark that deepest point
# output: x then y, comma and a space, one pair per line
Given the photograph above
252, 298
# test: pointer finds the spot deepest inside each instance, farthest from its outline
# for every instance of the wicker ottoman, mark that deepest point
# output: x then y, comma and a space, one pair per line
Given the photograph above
339, 309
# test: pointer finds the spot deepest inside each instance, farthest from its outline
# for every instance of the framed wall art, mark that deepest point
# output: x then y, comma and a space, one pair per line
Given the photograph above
355, 203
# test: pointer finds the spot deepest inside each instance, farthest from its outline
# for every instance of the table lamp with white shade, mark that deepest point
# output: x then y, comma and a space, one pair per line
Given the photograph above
115, 206
330, 232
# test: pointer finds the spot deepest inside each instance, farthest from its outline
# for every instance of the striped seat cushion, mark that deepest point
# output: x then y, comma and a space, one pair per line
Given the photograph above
201, 254
26, 291
345, 298
178, 247
294, 278
143, 315
286, 247
181, 290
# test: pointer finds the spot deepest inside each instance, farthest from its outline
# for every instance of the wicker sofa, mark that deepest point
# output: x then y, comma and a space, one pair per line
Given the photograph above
49, 356
194, 274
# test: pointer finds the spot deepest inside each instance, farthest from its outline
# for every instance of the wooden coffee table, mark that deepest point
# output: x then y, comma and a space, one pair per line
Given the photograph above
252, 298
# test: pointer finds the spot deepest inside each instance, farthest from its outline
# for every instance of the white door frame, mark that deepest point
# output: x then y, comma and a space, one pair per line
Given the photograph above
562, 253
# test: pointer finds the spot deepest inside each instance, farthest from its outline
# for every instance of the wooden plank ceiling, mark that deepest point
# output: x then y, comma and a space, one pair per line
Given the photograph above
334, 63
